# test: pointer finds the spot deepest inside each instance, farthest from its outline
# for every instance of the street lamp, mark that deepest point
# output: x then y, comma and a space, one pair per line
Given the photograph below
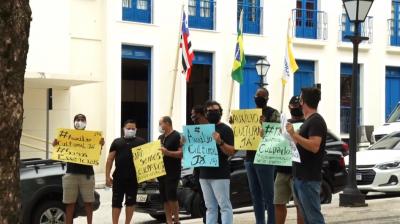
357, 11
262, 67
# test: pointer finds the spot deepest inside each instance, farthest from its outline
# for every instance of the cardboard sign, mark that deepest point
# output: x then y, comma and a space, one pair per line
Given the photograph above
296, 127
274, 148
77, 146
200, 149
148, 160
246, 128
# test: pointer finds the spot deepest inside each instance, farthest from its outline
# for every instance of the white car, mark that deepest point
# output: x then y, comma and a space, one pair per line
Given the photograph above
378, 167
392, 125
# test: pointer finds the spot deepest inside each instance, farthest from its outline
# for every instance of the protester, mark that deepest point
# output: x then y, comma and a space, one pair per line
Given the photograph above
311, 143
284, 179
172, 151
261, 177
78, 179
123, 180
215, 181
198, 117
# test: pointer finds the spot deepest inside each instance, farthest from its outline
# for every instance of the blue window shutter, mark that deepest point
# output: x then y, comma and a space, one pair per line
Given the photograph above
252, 14
137, 10
249, 86
392, 89
307, 18
201, 14
136, 52
203, 58
395, 26
305, 76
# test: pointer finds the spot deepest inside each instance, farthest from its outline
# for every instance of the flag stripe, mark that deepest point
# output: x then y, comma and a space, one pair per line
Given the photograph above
186, 46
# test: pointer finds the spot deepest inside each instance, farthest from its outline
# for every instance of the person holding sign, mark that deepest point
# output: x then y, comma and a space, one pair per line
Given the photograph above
310, 141
284, 179
78, 179
215, 181
123, 180
172, 151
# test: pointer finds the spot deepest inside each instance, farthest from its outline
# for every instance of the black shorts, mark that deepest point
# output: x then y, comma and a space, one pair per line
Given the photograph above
168, 188
121, 188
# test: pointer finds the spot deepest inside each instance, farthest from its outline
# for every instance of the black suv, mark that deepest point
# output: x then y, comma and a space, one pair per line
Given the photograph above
41, 189
334, 180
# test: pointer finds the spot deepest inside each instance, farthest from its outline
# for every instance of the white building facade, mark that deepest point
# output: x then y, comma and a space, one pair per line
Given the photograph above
114, 60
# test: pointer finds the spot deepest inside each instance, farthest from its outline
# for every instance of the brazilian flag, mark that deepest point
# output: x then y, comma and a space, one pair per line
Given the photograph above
240, 61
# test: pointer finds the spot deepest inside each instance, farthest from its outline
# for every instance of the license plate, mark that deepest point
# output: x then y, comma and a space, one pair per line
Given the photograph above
358, 177
141, 198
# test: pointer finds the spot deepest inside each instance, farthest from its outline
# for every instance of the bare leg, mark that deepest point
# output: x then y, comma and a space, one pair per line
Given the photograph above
89, 212
280, 214
115, 215
300, 219
174, 205
69, 213
168, 213
129, 214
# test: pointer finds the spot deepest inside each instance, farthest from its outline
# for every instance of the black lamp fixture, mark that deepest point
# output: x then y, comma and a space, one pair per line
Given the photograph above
262, 67
357, 11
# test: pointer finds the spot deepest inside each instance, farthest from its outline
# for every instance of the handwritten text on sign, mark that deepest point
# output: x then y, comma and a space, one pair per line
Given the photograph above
246, 126
148, 160
77, 146
274, 149
200, 149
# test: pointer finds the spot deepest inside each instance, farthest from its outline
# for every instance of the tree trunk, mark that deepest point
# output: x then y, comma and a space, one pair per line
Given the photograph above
15, 17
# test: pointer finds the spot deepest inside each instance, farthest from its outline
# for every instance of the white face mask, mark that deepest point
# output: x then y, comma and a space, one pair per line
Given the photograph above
130, 133
161, 130
80, 125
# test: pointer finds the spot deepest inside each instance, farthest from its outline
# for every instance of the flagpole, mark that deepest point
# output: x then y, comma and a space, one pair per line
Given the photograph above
283, 83
176, 64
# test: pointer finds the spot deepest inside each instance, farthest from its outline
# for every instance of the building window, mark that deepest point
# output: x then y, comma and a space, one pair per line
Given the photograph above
347, 28
392, 89
394, 24
304, 77
201, 14
136, 10
308, 22
252, 15
346, 71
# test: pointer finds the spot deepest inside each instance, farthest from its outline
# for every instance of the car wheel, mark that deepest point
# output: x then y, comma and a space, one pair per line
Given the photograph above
49, 212
326, 193
198, 208
158, 217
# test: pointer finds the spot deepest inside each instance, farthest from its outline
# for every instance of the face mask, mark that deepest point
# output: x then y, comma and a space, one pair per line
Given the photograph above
213, 117
296, 112
161, 130
80, 125
260, 101
194, 119
130, 133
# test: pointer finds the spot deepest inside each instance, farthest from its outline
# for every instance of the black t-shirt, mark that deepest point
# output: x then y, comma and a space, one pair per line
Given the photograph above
271, 115
224, 170
124, 166
172, 142
311, 164
288, 169
74, 168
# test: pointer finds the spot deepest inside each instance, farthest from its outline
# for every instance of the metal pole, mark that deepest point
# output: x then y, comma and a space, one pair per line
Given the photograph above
49, 106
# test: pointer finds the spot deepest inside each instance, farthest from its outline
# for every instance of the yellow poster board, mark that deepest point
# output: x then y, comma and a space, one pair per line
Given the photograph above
246, 128
148, 160
77, 146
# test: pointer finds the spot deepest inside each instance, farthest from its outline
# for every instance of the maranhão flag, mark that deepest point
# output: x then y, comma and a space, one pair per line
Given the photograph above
240, 61
186, 46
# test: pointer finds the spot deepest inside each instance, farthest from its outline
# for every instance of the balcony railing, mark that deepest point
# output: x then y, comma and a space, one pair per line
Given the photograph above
137, 10
310, 24
202, 14
252, 18
347, 28
394, 32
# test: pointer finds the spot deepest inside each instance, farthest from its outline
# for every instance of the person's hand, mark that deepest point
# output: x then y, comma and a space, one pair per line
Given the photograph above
230, 120
55, 143
164, 150
289, 128
217, 137
262, 132
109, 181
183, 139
262, 119
102, 141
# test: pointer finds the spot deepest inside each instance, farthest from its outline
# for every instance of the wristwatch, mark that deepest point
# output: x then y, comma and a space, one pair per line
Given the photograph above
222, 143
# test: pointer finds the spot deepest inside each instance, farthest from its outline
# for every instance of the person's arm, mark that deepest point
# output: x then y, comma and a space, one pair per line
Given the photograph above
174, 154
109, 164
312, 144
224, 146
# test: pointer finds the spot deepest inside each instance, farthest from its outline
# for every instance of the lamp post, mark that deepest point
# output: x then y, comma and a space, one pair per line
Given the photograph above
357, 11
262, 67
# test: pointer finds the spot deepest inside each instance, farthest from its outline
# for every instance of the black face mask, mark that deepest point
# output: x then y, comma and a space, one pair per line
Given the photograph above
213, 117
296, 112
260, 101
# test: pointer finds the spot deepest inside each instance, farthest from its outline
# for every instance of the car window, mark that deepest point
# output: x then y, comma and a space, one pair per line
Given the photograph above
388, 142
395, 116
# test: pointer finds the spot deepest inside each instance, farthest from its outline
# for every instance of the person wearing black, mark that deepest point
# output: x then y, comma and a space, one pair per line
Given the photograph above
284, 180
215, 181
123, 181
172, 151
79, 179
310, 141
261, 177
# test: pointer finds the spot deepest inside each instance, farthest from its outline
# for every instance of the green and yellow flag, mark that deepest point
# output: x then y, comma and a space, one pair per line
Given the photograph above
240, 61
